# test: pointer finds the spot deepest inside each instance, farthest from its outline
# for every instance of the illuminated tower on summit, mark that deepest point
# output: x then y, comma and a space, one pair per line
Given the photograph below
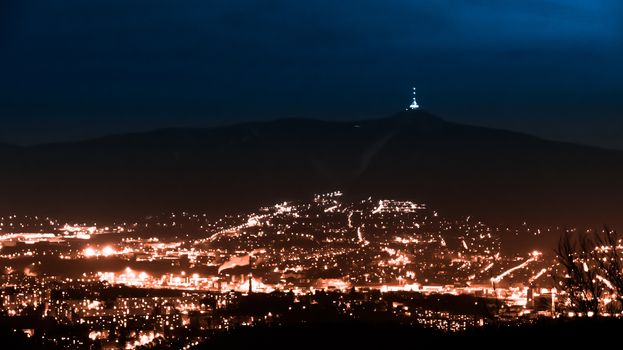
414, 104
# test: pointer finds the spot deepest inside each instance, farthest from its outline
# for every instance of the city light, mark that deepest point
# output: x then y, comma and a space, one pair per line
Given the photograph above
295, 250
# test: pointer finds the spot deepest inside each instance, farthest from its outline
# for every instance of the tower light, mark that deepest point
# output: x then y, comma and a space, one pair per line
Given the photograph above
414, 104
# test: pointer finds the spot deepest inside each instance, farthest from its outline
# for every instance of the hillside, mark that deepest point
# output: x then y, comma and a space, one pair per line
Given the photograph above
498, 175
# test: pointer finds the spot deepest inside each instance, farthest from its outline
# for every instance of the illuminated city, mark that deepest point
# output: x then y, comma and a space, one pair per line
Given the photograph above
132, 284
252, 174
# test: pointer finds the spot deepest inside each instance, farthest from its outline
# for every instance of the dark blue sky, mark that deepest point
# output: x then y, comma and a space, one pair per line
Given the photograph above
73, 69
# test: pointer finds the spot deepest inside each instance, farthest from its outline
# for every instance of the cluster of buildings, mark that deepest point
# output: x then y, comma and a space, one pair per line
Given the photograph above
178, 276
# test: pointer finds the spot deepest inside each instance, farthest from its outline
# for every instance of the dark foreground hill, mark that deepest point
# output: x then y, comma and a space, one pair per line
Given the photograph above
364, 335
498, 175
559, 334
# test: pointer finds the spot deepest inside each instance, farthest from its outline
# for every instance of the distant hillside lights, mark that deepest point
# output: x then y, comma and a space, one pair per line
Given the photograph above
414, 104
106, 252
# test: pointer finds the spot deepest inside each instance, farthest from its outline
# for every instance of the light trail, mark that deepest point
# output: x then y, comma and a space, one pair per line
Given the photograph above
537, 276
534, 257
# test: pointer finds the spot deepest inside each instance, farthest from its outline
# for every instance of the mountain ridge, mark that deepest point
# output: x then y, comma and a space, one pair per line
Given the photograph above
413, 155
396, 116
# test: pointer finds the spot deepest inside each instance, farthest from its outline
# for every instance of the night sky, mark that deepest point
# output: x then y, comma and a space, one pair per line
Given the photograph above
73, 69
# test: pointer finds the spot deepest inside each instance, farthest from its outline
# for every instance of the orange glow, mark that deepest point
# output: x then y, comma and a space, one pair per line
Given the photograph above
108, 251
89, 252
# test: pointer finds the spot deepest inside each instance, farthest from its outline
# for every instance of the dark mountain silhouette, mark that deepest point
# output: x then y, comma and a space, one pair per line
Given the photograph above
497, 175
6, 147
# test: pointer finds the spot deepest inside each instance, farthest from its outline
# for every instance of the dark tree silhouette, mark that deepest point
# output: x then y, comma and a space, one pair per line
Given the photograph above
590, 267
607, 257
577, 278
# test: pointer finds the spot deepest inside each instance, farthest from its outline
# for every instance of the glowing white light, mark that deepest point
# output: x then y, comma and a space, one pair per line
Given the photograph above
414, 104
89, 252
108, 251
